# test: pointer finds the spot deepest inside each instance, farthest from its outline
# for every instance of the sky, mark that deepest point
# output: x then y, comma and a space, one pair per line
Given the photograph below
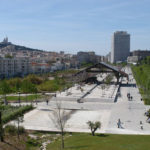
74, 25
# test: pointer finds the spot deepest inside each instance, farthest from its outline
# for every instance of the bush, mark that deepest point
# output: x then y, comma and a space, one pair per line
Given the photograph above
34, 79
53, 85
33, 142
21, 130
15, 84
147, 101
11, 129
1, 102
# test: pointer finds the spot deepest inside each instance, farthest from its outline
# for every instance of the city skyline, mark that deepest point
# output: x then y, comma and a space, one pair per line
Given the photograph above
72, 26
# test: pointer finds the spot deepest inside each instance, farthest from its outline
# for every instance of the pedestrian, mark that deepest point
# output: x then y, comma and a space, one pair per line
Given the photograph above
141, 124
119, 123
47, 101
127, 95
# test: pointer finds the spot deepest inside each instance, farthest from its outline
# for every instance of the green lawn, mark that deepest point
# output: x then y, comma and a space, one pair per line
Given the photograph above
103, 142
142, 77
23, 98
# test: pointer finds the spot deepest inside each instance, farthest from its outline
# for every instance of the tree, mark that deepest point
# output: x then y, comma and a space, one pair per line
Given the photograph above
35, 91
94, 126
5, 89
28, 87
19, 120
60, 118
18, 84
1, 129
8, 56
103, 86
108, 79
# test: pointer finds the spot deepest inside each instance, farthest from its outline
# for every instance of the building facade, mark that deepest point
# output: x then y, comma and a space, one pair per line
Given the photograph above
133, 59
10, 67
120, 46
141, 53
87, 57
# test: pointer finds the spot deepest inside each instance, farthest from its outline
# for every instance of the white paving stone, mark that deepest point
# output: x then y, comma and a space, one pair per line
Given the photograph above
129, 112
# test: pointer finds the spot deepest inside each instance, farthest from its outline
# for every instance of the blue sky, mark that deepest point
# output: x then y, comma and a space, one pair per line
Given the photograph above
74, 25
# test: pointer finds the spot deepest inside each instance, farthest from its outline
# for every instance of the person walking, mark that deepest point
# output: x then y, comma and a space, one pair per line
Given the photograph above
141, 125
47, 101
119, 123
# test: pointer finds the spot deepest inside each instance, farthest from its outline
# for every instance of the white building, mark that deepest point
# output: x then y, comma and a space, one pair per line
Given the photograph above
10, 67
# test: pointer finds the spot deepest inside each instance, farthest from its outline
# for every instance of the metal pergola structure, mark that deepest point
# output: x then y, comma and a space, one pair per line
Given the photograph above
98, 68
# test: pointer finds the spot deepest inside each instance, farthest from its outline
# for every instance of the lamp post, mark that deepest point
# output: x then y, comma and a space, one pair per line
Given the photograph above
19, 120
19, 98
36, 97
5, 99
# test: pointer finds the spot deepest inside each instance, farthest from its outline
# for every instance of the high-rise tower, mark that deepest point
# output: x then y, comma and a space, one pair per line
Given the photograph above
120, 46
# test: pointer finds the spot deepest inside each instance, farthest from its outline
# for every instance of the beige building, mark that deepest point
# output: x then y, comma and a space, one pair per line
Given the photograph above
132, 59
10, 67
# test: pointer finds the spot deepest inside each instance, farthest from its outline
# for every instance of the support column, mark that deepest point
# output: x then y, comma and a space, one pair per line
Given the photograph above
117, 76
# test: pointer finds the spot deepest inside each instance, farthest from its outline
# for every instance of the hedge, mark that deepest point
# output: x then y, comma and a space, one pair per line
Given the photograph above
16, 113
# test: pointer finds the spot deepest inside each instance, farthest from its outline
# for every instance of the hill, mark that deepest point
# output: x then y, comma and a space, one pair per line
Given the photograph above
6, 44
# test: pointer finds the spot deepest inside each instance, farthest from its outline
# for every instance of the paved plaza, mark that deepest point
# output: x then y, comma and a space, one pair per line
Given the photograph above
98, 105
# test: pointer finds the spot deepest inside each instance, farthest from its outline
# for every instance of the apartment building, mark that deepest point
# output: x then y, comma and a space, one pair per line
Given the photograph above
10, 67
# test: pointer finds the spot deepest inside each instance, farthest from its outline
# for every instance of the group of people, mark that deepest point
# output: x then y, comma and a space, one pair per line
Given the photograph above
119, 124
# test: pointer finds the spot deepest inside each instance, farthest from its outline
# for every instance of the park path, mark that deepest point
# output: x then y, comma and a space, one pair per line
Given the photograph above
129, 112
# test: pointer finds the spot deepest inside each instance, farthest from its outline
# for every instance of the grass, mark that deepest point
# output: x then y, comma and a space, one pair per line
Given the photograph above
141, 74
83, 141
23, 98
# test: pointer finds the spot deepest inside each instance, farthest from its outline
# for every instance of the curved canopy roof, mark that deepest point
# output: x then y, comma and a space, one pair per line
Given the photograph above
102, 67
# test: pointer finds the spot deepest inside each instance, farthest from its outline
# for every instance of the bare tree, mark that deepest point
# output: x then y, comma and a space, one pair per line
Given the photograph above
60, 120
